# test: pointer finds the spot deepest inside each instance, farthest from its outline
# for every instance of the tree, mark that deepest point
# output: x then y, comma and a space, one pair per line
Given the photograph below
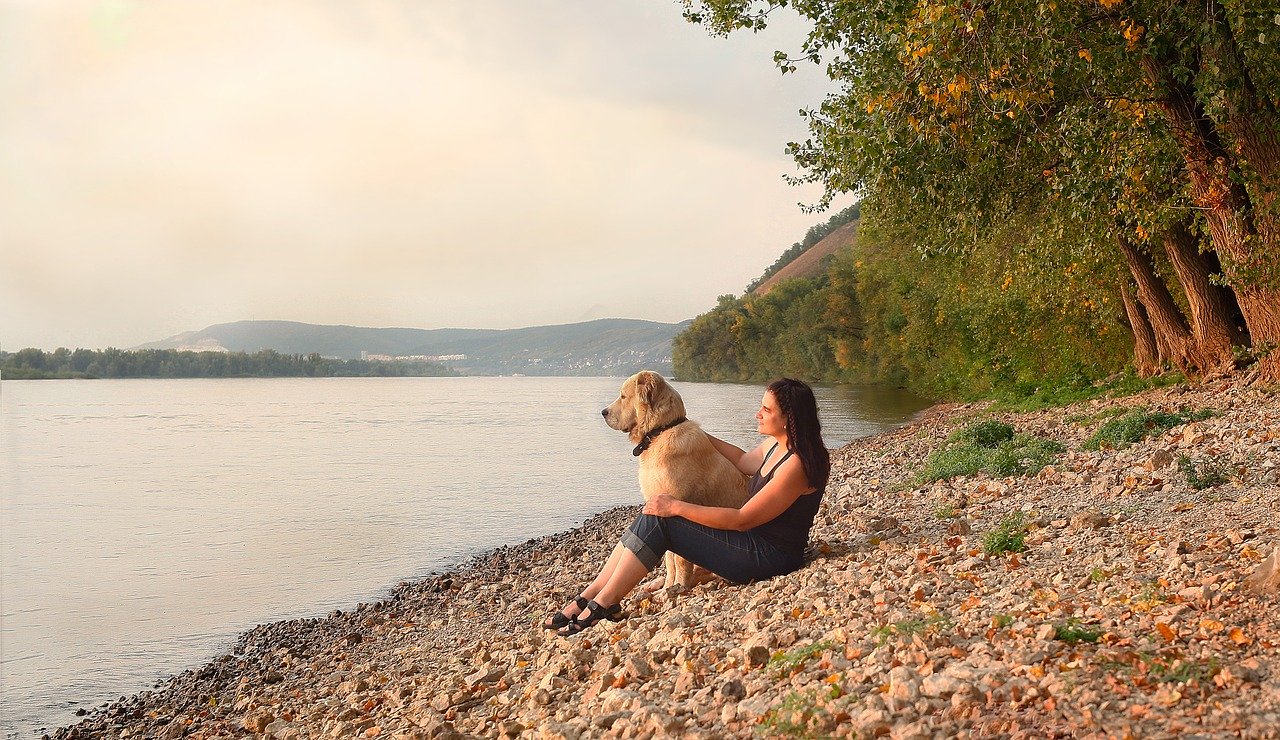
959, 114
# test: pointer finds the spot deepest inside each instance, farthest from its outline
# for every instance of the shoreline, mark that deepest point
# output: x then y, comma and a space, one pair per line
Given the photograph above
900, 623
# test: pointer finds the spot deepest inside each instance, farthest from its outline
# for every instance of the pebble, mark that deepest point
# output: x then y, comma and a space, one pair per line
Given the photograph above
1140, 607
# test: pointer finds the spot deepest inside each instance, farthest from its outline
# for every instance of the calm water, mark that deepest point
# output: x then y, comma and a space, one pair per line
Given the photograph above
146, 522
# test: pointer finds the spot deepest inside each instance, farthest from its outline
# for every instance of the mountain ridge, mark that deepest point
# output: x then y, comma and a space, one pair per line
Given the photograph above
599, 347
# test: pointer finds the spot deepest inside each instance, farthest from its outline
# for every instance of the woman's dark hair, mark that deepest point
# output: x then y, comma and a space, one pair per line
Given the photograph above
804, 432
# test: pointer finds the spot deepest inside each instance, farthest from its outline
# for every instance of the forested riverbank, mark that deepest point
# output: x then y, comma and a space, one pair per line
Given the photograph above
62, 363
1052, 194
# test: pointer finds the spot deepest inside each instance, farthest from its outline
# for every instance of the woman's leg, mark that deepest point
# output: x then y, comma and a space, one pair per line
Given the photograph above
738, 556
572, 609
627, 572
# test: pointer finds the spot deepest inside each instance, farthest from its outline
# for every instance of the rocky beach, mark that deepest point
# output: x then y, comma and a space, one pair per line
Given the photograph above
1125, 591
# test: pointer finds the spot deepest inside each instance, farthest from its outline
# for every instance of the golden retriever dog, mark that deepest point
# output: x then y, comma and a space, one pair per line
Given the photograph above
676, 456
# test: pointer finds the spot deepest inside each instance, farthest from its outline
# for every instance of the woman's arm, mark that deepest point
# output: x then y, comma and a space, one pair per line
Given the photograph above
788, 484
747, 462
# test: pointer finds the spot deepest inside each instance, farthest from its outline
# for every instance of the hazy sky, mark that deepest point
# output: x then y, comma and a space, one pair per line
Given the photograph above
170, 164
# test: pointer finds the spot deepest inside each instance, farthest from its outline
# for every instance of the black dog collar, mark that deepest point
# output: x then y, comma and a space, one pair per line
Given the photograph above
653, 434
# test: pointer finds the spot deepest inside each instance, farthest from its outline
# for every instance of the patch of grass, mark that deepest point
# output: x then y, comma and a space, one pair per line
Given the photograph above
794, 715
988, 433
945, 511
909, 627
791, 660
1106, 413
1182, 670
1098, 575
1073, 631
1009, 536
1205, 472
1067, 393
1000, 621
1137, 425
1161, 668
991, 447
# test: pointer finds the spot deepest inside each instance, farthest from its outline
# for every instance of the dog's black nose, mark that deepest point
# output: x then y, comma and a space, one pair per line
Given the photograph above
604, 413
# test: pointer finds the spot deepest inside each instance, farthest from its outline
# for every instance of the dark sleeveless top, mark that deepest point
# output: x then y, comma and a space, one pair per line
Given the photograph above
789, 530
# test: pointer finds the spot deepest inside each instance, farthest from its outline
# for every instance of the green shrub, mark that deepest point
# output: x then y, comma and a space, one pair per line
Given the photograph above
1137, 425
1010, 536
1023, 455
909, 627
797, 714
983, 434
991, 447
790, 661
1204, 472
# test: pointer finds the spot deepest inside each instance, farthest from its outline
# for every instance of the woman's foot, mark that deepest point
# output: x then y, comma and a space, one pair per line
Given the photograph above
564, 618
593, 613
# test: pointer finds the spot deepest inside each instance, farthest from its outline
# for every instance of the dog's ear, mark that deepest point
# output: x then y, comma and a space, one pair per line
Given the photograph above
648, 388
647, 385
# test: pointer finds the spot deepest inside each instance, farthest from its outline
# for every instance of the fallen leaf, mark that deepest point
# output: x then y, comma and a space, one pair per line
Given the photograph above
1238, 636
1166, 631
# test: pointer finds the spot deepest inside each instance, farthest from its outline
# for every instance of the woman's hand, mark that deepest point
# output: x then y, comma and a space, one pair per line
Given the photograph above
661, 505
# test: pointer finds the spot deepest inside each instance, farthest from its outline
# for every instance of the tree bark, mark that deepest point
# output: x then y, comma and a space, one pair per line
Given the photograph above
1217, 189
1213, 333
1251, 125
1173, 338
1146, 359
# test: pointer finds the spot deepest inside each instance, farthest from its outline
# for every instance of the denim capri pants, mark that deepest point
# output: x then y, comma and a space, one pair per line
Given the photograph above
740, 557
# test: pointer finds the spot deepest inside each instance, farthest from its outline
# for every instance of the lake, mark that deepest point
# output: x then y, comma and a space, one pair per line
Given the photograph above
147, 522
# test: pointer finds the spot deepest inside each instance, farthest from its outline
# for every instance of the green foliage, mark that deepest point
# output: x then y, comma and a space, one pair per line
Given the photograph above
168, 363
1137, 425
790, 661
983, 434
1204, 472
1181, 669
1000, 621
991, 447
909, 627
1075, 390
1008, 537
1073, 631
1001, 151
794, 716
1004, 320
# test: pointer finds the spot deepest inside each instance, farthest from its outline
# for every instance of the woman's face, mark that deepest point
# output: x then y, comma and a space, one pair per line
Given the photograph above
769, 419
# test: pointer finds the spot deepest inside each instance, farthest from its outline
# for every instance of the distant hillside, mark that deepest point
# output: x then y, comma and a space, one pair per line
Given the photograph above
601, 347
810, 263
814, 235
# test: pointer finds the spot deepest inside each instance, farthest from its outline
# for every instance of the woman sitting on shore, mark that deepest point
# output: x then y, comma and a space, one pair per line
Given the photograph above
765, 538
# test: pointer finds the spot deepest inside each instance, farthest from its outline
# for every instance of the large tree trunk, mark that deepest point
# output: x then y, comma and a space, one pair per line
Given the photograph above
1251, 123
1146, 359
1213, 333
1173, 338
1217, 188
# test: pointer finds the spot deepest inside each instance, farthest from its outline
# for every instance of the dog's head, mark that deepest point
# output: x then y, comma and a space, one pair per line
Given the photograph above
645, 403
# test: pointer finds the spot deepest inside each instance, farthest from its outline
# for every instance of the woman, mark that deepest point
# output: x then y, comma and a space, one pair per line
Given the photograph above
765, 538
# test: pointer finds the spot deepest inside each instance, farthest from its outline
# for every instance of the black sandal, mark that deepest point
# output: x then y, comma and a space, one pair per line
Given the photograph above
559, 621
598, 612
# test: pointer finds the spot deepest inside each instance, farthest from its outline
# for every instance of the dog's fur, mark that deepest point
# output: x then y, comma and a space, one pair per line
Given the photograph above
680, 461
